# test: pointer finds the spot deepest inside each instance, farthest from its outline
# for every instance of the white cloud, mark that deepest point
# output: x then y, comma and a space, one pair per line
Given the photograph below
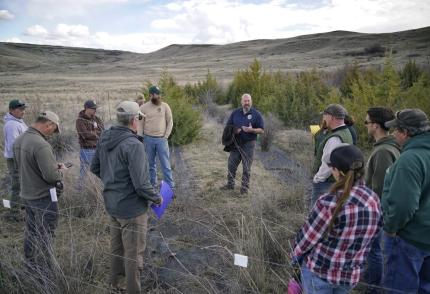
13, 40
78, 31
6, 15
36, 31
226, 21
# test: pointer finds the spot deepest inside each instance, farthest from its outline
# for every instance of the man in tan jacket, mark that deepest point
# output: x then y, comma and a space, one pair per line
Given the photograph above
157, 125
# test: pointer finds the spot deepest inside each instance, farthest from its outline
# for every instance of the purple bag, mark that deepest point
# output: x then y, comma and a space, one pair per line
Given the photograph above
167, 194
294, 287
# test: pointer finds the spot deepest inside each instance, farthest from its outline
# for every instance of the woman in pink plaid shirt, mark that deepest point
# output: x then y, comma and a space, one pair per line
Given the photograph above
333, 243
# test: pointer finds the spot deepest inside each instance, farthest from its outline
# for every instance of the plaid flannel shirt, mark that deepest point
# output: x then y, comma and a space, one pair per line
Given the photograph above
338, 256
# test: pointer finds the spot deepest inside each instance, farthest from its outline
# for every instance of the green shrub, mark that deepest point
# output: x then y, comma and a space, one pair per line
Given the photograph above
186, 119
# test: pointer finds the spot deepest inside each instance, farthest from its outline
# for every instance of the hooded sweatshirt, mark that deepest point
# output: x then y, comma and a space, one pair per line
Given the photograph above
384, 154
120, 162
13, 127
406, 194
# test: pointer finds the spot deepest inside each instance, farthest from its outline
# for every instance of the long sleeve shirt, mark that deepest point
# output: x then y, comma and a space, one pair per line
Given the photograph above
337, 256
157, 121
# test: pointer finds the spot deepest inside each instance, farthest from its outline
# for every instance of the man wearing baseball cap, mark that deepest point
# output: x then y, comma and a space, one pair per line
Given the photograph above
157, 125
14, 126
89, 127
120, 162
406, 207
338, 132
39, 172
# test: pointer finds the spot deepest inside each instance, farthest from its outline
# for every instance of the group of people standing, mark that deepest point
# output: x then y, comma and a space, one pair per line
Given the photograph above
369, 221
121, 157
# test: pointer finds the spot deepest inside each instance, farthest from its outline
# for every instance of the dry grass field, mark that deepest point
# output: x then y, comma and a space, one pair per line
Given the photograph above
191, 249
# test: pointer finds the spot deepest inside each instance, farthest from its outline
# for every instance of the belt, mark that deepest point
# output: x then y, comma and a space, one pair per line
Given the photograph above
154, 136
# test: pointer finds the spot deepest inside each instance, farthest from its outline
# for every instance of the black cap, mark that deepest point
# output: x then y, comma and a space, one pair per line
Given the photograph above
14, 104
414, 120
90, 104
346, 157
154, 90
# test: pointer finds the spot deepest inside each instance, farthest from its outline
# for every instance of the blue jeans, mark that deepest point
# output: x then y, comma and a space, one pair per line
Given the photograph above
158, 147
313, 284
85, 158
407, 268
373, 273
317, 190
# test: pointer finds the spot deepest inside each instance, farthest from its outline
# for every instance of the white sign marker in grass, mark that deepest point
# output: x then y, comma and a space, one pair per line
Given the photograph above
6, 203
240, 260
53, 193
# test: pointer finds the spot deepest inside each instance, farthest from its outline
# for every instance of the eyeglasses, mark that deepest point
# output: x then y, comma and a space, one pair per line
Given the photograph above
366, 122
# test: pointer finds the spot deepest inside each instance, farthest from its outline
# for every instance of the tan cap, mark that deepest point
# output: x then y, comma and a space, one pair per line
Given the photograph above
129, 107
52, 116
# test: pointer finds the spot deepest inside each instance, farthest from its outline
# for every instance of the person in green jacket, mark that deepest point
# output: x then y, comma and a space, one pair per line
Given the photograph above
39, 174
385, 151
406, 207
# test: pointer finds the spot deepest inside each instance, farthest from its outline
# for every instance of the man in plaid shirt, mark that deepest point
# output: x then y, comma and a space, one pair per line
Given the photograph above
333, 252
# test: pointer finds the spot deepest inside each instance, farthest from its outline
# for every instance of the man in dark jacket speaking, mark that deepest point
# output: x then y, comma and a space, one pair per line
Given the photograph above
120, 161
248, 123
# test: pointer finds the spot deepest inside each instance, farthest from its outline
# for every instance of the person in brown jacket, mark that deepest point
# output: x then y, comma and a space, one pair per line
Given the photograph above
89, 127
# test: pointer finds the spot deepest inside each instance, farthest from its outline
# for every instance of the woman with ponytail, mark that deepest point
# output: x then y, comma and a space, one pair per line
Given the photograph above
332, 245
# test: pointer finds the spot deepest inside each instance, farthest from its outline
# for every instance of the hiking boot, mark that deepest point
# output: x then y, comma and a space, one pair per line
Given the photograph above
227, 187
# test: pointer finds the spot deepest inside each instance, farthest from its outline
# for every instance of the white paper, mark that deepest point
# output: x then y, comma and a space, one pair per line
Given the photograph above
240, 260
53, 193
6, 203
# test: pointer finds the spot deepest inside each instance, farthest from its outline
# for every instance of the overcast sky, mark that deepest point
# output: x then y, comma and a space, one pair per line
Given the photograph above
148, 25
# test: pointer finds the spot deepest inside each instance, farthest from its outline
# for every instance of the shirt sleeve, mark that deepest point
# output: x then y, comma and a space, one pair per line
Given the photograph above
260, 121
383, 159
324, 170
313, 230
95, 163
48, 166
169, 121
139, 172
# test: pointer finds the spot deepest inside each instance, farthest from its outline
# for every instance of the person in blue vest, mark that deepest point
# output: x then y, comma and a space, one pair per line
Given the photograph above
248, 123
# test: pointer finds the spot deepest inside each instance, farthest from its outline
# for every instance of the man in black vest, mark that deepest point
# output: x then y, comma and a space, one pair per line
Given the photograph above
333, 116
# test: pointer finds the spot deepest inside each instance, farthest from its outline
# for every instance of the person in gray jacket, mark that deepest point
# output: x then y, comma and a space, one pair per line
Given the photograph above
120, 162
39, 172
14, 126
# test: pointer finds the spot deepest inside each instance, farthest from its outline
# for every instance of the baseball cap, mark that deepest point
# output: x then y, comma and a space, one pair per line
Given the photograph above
52, 117
154, 90
14, 104
345, 157
90, 104
411, 119
129, 107
335, 110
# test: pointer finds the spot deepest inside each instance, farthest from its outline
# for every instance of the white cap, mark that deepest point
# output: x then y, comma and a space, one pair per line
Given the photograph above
52, 117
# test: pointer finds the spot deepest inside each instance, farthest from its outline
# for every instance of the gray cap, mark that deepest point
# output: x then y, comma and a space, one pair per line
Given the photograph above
335, 110
129, 107
414, 120
52, 117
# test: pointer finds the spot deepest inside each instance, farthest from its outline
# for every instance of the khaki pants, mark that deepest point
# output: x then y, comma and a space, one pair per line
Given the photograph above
128, 241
